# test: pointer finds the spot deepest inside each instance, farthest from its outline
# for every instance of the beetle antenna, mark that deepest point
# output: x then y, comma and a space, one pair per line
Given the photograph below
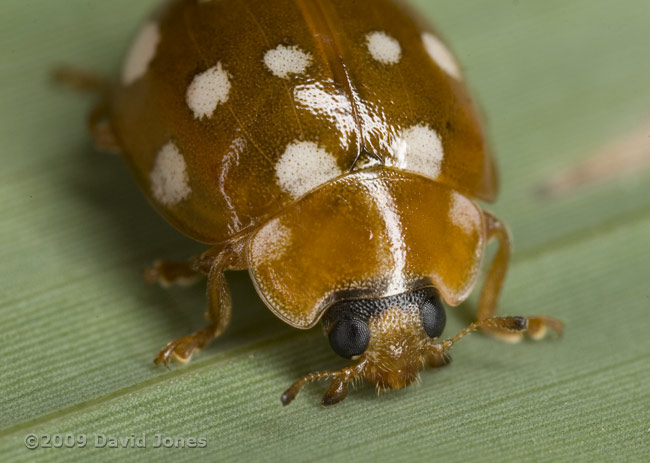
513, 324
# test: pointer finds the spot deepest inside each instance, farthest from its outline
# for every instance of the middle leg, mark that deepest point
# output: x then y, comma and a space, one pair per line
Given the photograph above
219, 303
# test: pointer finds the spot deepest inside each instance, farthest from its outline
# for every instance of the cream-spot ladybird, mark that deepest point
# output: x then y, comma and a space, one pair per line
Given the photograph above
331, 148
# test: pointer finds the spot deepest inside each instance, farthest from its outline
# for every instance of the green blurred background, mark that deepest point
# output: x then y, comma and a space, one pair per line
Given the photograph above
559, 81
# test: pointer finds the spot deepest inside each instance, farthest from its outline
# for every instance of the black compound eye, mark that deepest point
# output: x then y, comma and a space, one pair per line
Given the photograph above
349, 337
433, 316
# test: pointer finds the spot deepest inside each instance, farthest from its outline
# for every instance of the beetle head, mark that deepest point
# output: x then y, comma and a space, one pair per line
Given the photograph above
390, 340
389, 335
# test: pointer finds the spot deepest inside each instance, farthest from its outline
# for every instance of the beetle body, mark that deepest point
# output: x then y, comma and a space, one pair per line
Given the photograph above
330, 147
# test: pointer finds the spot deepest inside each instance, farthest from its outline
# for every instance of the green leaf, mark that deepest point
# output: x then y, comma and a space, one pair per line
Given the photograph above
79, 327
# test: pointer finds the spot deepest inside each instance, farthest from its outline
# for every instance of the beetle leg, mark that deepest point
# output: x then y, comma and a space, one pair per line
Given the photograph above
537, 325
182, 348
80, 80
101, 130
219, 303
98, 120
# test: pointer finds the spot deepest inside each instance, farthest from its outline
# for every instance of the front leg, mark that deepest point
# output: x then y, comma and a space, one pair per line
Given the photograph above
537, 325
219, 302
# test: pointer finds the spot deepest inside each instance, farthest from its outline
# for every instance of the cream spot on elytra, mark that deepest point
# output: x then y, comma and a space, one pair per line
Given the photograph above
141, 53
272, 241
384, 48
463, 213
207, 91
283, 61
441, 55
304, 166
169, 179
419, 149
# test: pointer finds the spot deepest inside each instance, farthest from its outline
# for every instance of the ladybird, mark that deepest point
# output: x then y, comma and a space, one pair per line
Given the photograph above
331, 148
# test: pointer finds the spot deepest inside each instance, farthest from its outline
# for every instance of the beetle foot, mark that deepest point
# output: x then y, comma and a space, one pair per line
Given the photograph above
537, 327
167, 273
182, 349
